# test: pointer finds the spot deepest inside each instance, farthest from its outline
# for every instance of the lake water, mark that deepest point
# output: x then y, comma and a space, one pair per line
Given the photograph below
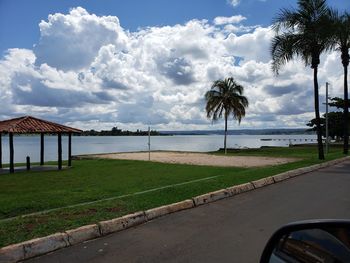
30, 145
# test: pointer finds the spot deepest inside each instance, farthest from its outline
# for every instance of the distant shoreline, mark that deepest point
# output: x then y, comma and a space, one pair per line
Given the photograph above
203, 132
259, 132
242, 132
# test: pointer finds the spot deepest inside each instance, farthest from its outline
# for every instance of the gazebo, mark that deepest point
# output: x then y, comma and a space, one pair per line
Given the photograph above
31, 125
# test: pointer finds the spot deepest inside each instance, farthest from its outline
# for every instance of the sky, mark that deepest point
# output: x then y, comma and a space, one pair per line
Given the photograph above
97, 64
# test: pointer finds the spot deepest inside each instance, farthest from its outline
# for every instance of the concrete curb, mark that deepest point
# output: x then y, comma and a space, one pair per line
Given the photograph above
281, 177
120, 223
168, 209
211, 197
44, 245
263, 182
83, 233
242, 188
12, 253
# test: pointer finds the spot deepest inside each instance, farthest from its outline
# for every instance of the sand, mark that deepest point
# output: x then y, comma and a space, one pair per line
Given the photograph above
199, 159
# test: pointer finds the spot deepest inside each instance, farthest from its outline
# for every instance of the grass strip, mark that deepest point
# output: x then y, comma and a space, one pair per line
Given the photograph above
92, 180
110, 198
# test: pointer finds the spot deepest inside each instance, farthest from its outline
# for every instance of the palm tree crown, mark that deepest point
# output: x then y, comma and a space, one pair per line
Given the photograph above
303, 33
226, 98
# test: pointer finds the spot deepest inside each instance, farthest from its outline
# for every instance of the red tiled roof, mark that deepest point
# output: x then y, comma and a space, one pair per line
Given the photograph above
28, 124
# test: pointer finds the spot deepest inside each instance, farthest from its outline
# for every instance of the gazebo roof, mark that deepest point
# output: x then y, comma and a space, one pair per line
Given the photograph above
29, 124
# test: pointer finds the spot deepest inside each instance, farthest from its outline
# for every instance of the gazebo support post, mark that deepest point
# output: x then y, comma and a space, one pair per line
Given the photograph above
0, 150
12, 166
70, 149
59, 151
42, 148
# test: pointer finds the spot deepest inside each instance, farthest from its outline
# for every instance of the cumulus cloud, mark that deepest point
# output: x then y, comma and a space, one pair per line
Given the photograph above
254, 45
72, 41
90, 72
222, 20
179, 71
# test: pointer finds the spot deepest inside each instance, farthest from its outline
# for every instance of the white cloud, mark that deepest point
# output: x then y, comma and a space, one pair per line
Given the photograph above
72, 41
90, 72
254, 45
222, 20
234, 3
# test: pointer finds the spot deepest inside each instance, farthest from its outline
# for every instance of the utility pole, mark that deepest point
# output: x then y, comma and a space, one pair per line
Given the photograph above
327, 146
149, 143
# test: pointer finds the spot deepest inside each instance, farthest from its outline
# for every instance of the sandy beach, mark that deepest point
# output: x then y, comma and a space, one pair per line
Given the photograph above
198, 159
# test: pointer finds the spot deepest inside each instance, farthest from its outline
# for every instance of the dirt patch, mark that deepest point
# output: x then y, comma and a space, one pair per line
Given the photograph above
78, 214
88, 212
30, 226
199, 159
113, 209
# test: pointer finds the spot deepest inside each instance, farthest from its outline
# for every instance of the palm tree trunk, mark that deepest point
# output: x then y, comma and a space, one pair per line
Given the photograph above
225, 132
317, 113
346, 112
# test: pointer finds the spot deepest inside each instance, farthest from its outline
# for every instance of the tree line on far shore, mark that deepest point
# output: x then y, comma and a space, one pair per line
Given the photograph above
335, 120
119, 132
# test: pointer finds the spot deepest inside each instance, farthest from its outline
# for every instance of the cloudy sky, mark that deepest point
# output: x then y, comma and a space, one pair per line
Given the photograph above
99, 64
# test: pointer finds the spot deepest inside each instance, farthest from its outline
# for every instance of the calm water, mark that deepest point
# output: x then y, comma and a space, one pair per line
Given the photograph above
30, 145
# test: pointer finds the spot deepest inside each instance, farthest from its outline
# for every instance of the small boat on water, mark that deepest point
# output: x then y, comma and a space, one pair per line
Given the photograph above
266, 139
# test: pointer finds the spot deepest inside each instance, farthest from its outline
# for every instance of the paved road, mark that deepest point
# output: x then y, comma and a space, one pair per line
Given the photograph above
230, 230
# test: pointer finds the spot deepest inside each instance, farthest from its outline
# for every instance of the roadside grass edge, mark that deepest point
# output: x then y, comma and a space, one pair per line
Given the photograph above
39, 246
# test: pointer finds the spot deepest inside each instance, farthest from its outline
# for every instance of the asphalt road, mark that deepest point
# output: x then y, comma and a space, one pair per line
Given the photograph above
231, 230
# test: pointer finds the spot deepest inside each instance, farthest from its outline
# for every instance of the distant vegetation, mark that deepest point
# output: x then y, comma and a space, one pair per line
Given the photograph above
118, 132
335, 120
241, 132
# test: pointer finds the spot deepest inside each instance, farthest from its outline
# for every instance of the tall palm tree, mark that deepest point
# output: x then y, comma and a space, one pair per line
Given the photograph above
226, 98
342, 41
305, 33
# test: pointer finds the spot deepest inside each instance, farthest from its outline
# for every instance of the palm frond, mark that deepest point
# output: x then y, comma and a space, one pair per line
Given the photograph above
307, 33
284, 47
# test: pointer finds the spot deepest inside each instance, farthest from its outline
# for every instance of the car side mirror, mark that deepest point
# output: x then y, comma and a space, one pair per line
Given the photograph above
309, 241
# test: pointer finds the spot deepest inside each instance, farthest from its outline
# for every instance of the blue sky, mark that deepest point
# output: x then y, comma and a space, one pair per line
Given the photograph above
102, 63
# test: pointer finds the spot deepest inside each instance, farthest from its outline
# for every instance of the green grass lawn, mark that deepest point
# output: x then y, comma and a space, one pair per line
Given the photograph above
91, 180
